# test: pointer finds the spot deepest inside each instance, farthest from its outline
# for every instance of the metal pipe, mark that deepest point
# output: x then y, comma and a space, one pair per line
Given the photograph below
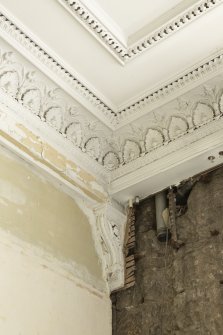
161, 205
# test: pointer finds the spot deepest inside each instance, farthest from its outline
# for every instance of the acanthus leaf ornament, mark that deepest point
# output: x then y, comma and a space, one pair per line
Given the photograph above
69, 118
178, 127
131, 151
154, 138
74, 133
120, 116
9, 81
31, 99
202, 114
53, 116
93, 147
111, 160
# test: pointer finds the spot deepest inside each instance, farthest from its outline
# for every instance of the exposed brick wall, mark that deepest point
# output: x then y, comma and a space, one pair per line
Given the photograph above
177, 292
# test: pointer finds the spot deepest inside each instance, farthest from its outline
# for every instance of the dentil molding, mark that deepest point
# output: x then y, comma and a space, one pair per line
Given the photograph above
115, 117
125, 53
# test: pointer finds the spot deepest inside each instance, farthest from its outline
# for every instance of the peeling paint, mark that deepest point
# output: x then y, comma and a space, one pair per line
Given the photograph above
62, 165
51, 155
28, 148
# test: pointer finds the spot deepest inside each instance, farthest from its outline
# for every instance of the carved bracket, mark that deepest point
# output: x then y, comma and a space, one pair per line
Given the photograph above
110, 225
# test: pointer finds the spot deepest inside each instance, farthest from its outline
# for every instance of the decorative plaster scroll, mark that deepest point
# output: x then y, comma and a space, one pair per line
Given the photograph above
115, 118
93, 24
111, 224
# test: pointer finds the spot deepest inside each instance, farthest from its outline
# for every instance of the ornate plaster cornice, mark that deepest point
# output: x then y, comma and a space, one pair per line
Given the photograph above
125, 53
114, 118
133, 146
178, 124
179, 85
13, 34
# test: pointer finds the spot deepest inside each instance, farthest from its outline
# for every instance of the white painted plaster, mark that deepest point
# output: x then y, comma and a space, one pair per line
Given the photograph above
11, 193
39, 297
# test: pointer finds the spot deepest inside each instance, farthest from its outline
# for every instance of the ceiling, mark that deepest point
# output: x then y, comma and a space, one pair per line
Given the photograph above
170, 48
129, 17
117, 85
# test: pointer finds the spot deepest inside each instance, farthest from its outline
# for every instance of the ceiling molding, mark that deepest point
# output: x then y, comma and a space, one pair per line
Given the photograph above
25, 89
53, 68
123, 150
131, 173
117, 117
122, 53
178, 124
43, 147
188, 159
179, 85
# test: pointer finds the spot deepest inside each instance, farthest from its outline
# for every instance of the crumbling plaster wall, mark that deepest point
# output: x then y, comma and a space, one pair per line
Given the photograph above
177, 292
51, 279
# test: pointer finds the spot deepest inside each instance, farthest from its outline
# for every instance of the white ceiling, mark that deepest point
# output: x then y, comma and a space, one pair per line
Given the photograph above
77, 50
132, 16
53, 27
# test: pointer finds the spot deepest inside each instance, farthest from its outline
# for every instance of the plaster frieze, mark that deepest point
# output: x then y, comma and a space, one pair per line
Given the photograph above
169, 129
124, 53
140, 142
48, 104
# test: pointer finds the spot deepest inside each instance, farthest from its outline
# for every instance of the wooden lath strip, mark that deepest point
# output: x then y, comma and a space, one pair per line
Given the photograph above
130, 241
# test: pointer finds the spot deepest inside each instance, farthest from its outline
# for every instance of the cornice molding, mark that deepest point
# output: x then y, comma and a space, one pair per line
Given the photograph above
137, 170
122, 53
129, 148
178, 124
23, 88
190, 79
38, 55
187, 157
113, 118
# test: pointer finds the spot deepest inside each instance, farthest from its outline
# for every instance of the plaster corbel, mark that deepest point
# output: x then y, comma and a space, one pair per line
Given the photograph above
110, 225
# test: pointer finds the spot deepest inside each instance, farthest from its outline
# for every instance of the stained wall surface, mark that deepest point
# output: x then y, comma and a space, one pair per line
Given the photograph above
177, 292
51, 279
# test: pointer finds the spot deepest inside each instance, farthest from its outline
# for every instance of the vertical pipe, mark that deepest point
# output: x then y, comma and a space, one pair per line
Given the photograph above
161, 204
